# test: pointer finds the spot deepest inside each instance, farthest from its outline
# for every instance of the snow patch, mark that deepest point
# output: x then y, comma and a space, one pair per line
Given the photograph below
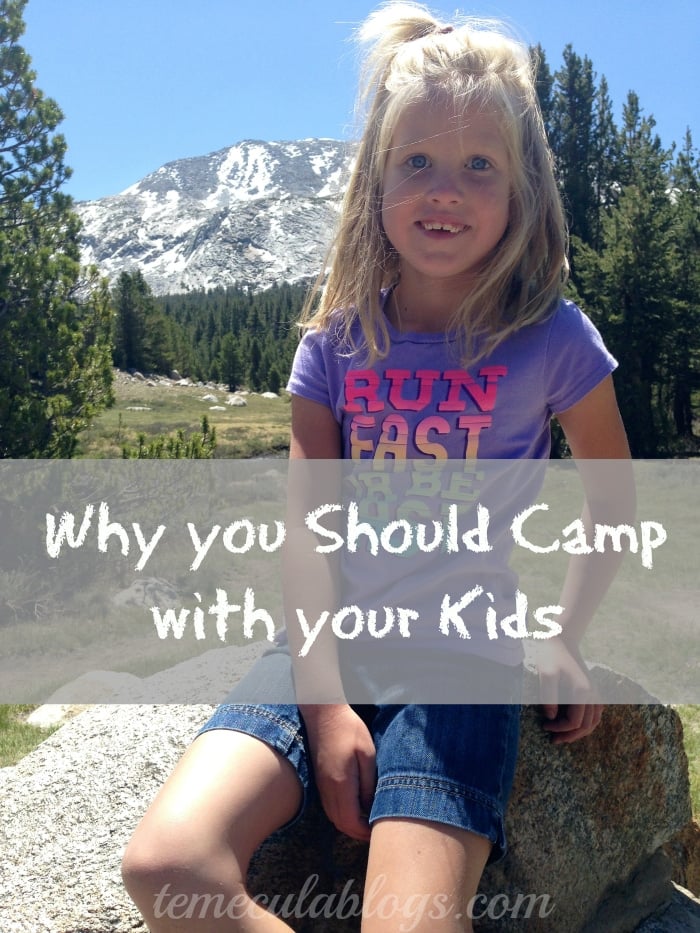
254, 213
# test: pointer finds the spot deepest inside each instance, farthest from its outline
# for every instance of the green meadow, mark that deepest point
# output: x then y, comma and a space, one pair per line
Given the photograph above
260, 428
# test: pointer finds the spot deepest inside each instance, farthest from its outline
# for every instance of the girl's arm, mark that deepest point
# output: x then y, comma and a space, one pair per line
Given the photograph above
310, 578
593, 427
594, 432
341, 746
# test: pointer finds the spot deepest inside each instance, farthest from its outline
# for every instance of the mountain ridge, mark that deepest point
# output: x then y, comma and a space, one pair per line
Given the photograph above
252, 214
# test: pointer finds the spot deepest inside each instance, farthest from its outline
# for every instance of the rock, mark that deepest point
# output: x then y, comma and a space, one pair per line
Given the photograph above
206, 678
100, 687
586, 826
54, 714
237, 401
269, 395
147, 591
69, 809
684, 852
599, 810
680, 914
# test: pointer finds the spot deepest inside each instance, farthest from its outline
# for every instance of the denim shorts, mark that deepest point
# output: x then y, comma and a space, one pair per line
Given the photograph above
444, 763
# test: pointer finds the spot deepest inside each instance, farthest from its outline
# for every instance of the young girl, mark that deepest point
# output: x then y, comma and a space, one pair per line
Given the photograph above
440, 333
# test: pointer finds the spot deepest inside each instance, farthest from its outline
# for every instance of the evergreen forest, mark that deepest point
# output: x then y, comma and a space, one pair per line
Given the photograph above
231, 336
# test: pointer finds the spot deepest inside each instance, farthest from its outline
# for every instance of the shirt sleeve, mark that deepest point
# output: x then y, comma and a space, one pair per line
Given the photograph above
577, 359
308, 375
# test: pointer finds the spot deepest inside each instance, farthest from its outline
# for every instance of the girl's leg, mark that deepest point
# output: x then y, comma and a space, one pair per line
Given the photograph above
421, 877
187, 862
443, 778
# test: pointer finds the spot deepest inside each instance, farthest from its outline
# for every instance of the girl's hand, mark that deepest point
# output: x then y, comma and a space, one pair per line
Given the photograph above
572, 721
343, 757
561, 667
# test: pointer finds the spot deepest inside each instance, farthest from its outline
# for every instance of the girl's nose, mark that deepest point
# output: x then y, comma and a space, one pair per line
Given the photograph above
445, 188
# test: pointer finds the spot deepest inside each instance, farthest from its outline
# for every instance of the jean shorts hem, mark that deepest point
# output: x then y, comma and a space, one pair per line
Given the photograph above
417, 797
450, 765
279, 727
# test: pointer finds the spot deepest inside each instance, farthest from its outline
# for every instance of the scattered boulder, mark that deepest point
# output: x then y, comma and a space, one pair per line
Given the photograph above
147, 591
52, 715
203, 679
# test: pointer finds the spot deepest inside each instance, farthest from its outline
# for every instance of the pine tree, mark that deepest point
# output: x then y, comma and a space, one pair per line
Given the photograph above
605, 150
571, 136
54, 349
685, 358
143, 337
255, 374
274, 380
230, 368
544, 83
628, 286
129, 324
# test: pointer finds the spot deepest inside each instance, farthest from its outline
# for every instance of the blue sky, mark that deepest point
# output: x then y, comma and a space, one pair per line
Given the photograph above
143, 82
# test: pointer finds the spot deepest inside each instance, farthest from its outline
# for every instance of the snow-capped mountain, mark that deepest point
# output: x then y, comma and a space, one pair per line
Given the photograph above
253, 214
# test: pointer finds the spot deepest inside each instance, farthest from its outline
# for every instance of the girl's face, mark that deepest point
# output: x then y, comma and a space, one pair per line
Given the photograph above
445, 192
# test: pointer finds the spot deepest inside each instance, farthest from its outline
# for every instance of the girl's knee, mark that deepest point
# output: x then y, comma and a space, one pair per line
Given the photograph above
150, 861
167, 855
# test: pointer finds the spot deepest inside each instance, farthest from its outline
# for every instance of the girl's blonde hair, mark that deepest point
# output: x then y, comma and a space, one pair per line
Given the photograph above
414, 57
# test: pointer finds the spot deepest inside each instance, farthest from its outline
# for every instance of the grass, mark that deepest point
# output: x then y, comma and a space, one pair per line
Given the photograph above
17, 738
690, 717
258, 429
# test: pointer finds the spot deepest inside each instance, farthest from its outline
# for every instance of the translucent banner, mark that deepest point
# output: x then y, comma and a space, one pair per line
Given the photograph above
366, 581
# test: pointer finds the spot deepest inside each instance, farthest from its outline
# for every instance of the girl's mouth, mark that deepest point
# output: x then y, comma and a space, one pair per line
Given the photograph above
431, 225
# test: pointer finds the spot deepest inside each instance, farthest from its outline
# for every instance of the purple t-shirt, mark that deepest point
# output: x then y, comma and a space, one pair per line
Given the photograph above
421, 403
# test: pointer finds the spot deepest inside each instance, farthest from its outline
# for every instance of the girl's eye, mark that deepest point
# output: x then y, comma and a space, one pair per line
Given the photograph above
417, 162
479, 163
